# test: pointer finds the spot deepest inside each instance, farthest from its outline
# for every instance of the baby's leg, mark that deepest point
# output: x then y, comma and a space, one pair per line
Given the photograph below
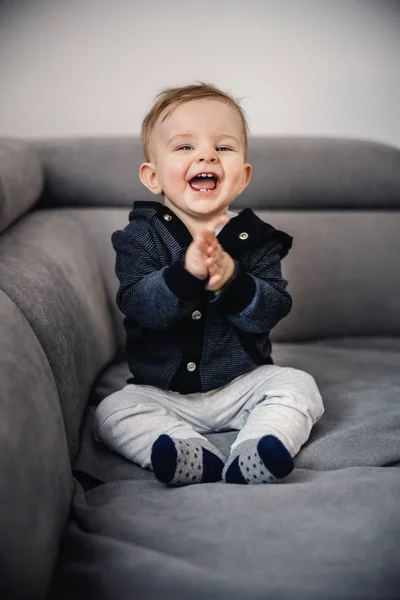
283, 407
147, 426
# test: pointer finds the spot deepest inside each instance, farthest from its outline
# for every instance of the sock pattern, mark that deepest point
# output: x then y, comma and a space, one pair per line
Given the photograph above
183, 462
263, 460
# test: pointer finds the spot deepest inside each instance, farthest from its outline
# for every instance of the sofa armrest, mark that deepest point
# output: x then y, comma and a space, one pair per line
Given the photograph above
35, 474
21, 180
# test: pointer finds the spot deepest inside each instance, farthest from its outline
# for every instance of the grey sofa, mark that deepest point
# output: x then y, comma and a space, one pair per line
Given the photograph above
77, 521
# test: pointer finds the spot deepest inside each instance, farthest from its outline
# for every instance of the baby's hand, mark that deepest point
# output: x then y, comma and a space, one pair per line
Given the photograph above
221, 267
195, 259
197, 253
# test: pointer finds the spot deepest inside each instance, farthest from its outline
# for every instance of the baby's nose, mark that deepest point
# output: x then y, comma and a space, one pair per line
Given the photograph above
207, 157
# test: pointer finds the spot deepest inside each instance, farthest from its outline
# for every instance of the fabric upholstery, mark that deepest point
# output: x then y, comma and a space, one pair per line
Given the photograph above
288, 172
322, 173
330, 531
21, 180
36, 481
343, 273
50, 268
319, 536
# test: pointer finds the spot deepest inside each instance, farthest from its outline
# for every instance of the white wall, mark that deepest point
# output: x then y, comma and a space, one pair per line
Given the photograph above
84, 67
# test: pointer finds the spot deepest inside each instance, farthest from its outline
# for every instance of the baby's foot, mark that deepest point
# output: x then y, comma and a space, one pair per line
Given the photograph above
263, 460
181, 462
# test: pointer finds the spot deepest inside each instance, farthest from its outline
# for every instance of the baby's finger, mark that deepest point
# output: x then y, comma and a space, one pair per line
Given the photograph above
213, 282
201, 246
209, 262
212, 249
214, 243
207, 236
212, 268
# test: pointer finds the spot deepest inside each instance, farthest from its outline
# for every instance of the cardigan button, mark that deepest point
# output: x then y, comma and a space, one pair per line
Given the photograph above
167, 217
244, 235
196, 315
191, 366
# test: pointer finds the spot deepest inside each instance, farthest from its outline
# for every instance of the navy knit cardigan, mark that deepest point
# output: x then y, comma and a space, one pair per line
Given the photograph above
179, 336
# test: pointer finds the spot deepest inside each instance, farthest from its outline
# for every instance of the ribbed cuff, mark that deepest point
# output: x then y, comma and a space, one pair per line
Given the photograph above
237, 294
182, 283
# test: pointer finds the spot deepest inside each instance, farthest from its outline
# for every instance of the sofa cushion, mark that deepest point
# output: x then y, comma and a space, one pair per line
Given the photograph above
330, 530
343, 273
51, 267
322, 173
319, 536
21, 180
288, 172
92, 172
35, 472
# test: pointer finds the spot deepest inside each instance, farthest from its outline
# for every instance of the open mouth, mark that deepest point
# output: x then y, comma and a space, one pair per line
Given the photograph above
204, 182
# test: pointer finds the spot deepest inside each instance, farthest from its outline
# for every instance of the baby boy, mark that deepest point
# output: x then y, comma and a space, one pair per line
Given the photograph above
201, 288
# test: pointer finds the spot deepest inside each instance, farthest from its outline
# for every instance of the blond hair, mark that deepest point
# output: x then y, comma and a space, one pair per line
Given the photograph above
171, 98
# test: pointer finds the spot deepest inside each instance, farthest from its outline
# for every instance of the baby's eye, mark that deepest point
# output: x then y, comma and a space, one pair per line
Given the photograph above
184, 148
222, 148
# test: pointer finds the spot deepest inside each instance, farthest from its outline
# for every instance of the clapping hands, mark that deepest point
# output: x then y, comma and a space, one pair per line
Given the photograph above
205, 257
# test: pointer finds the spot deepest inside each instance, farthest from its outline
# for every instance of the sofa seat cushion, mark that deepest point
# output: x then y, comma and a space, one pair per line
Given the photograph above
330, 530
319, 536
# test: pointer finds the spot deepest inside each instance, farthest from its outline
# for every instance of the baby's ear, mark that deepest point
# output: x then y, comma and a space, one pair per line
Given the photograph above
246, 177
148, 176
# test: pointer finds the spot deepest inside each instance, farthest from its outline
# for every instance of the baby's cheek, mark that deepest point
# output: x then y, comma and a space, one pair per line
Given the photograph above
234, 180
174, 174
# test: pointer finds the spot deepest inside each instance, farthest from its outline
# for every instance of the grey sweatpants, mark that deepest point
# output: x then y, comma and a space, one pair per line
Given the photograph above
281, 401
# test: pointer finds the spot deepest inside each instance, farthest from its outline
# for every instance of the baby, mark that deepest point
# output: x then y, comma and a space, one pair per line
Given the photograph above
201, 288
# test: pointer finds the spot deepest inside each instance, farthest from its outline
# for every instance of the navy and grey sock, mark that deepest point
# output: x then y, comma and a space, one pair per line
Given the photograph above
182, 462
262, 460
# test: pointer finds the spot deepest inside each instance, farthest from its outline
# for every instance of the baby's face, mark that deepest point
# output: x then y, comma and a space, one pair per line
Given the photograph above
199, 158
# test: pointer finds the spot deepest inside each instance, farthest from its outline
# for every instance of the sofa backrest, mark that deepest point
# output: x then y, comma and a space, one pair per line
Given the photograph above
338, 198
289, 173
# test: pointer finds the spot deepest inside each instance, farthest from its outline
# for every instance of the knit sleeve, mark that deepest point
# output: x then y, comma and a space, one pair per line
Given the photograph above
256, 299
156, 295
